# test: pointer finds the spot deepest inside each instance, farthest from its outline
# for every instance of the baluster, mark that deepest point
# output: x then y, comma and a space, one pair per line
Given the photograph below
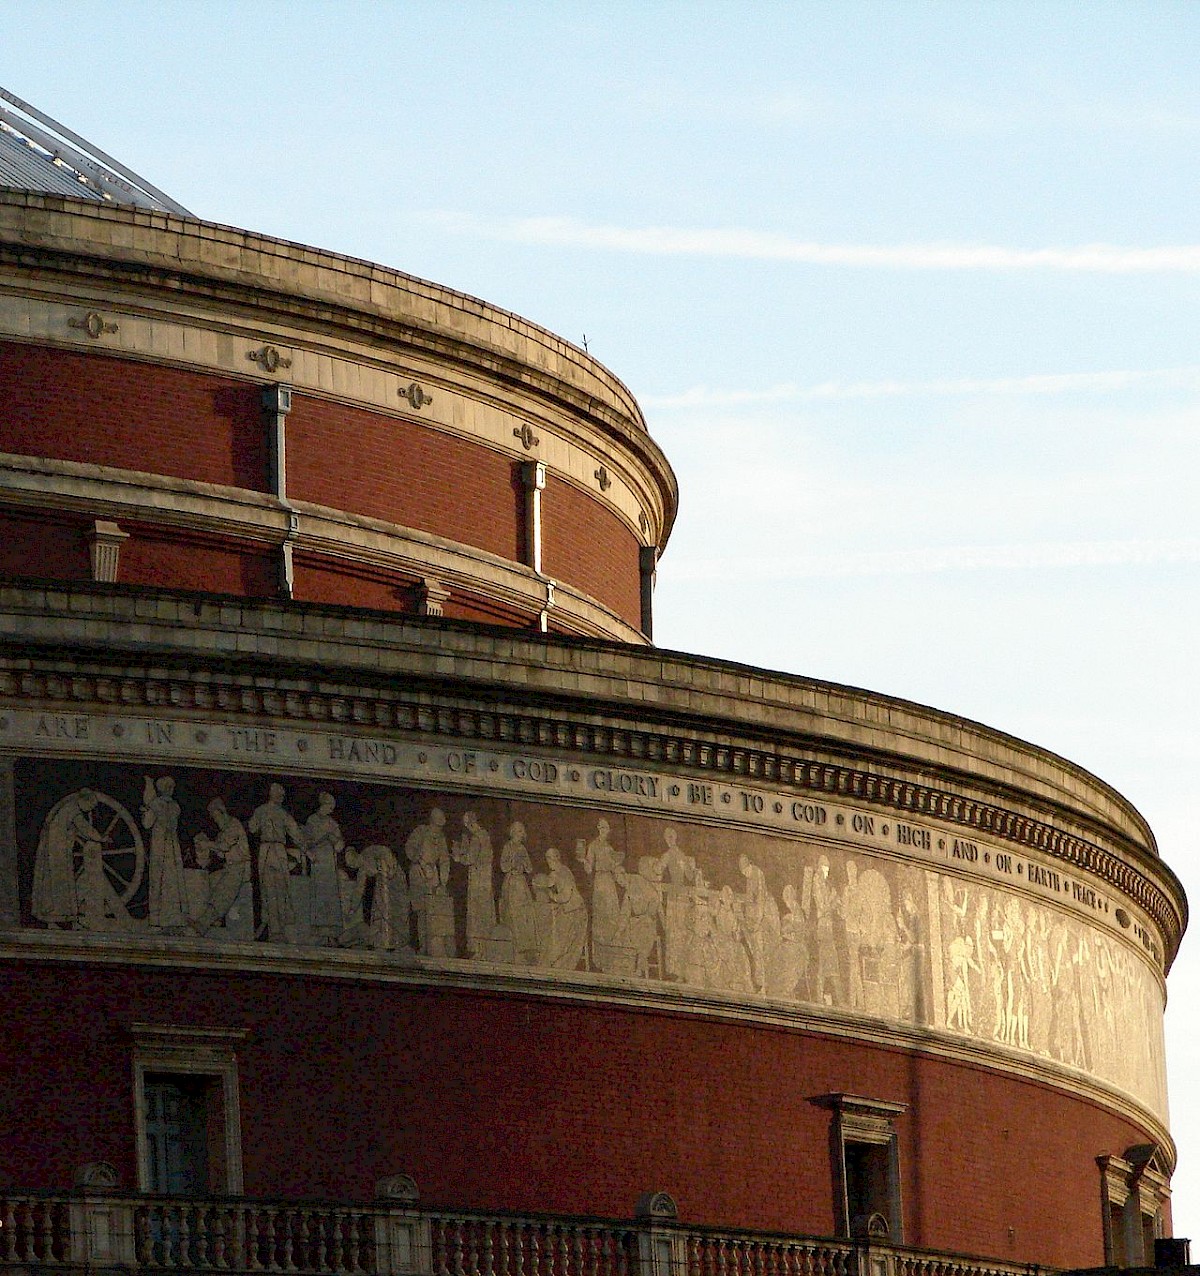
183, 1238
215, 1231
340, 1240
170, 1236
247, 1239
287, 1227
471, 1246
20, 1230
254, 1246
299, 1222
518, 1248
306, 1258
489, 1257
266, 1232
310, 1254
36, 1209
504, 1257
535, 1251
456, 1246
323, 1253
437, 1244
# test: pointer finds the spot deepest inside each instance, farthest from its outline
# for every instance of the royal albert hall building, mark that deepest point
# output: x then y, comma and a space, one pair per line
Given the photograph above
375, 897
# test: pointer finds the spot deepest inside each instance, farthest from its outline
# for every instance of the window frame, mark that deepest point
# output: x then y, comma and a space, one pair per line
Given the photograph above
1134, 1188
860, 1120
191, 1053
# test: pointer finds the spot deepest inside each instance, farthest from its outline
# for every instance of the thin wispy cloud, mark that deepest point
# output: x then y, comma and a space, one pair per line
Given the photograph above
754, 245
1187, 378
934, 560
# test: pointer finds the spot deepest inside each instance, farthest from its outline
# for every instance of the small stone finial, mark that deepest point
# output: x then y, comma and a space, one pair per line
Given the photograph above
431, 597
93, 325
656, 1205
415, 394
99, 1175
525, 434
106, 540
398, 1187
870, 1226
269, 358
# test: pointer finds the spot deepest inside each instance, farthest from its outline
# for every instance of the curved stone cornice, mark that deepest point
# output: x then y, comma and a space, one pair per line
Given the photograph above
636, 707
219, 266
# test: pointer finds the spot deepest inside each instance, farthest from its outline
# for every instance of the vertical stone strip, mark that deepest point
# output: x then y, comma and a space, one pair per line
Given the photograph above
10, 908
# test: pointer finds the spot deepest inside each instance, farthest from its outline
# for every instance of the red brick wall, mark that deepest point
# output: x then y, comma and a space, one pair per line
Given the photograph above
514, 1103
43, 545
135, 416
97, 408
324, 580
585, 544
170, 559
357, 460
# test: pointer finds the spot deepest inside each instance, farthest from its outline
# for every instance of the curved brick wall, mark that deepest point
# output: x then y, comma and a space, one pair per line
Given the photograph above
136, 416
131, 415
137, 351
530, 1104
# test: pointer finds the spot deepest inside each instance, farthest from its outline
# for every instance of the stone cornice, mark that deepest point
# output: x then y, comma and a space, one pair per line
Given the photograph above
374, 672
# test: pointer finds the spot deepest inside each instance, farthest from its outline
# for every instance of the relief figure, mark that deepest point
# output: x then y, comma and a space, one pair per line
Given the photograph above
565, 940
871, 943
643, 913
679, 906
226, 859
912, 961
323, 843
733, 960
379, 868
760, 922
276, 831
167, 906
961, 953
826, 906
790, 965
474, 849
55, 900
429, 873
609, 948
516, 900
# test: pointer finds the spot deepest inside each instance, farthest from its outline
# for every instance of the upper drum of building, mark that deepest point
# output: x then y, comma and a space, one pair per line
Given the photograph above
442, 454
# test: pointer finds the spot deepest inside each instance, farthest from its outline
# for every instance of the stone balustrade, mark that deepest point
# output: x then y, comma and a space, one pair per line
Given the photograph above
90, 1229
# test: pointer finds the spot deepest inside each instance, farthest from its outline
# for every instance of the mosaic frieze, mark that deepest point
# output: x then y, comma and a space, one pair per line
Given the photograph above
408, 874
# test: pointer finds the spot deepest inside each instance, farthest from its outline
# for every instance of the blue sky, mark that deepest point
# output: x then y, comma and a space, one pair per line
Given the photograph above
909, 293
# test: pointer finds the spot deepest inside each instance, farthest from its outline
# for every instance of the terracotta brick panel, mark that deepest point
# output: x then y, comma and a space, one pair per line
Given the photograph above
396, 470
587, 545
137, 416
44, 546
165, 558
